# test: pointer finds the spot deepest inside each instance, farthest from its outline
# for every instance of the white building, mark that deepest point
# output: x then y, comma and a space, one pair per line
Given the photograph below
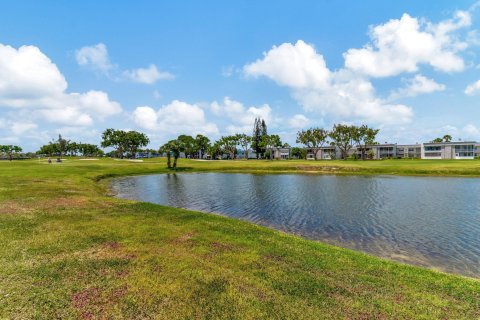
449, 150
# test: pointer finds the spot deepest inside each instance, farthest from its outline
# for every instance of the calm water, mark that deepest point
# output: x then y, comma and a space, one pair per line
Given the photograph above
428, 221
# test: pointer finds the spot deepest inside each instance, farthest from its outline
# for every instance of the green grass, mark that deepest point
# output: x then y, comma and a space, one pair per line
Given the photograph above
67, 250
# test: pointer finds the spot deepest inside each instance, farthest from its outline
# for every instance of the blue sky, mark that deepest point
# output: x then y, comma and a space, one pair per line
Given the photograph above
409, 68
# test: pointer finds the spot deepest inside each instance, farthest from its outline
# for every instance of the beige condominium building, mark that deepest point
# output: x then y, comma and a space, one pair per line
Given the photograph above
449, 150
430, 150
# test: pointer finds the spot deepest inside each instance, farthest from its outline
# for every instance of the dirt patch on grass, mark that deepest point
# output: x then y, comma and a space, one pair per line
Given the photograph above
21, 207
63, 202
13, 207
219, 247
107, 250
93, 302
274, 257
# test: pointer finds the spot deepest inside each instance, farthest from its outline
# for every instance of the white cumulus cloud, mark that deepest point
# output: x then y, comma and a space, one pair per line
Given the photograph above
342, 95
97, 58
175, 118
298, 121
473, 89
416, 86
94, 56
400, 45
30, 80
242, 118
297, 66
20, 127
148, 75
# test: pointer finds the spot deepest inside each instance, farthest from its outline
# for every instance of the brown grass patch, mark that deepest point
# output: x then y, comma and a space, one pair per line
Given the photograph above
13, 207
93, 303
19, 207
63, 203
107, 250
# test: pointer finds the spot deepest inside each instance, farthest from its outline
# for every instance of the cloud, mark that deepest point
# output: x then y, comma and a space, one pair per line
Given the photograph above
342, 95
27, 74
30, 80
473, 89
67, 115
18, 127
416, 86
95, 57
400, 45
296, 66
298, 121
228, 71
242, 118
175, 118
472, 131
353, 99
148, 75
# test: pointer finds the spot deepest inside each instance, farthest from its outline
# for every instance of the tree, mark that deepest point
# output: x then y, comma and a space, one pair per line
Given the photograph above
313, 138
270, 142
437, 140
49, 149
89, 150
115, 139
300, 153
447, 138
62, 145
176, 147
244, 141
229, 144
364, 136
215, 150
259, 130
124, 141
10, 150
133, 140
342, 137
73, 148
188, 143
167, 150
201, 145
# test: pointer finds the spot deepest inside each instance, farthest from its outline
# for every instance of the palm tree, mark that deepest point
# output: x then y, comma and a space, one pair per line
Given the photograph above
447, 138
166, 149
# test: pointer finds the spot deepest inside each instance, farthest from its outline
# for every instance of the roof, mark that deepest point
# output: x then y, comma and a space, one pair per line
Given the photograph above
453, 142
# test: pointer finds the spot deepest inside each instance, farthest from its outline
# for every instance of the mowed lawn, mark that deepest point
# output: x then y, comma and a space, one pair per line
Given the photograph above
69, 250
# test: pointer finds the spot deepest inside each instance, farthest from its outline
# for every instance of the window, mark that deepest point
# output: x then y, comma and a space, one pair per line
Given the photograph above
433, 154
433, 148
464, 148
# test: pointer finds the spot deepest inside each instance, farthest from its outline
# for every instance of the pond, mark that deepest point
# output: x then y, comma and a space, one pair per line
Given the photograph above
428, 221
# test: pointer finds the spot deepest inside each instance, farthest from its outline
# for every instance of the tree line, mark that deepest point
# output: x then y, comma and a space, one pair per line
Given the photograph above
128, 143
342, 136
10, 151
63, 147
200, 146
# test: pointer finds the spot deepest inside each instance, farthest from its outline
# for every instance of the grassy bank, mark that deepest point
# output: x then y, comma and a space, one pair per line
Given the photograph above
69, 251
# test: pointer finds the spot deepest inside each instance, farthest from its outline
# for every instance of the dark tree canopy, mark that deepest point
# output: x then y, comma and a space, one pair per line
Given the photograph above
10, 150
124, 141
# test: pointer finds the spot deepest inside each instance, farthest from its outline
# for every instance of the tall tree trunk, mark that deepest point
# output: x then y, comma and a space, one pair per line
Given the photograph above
169, 160
175, 162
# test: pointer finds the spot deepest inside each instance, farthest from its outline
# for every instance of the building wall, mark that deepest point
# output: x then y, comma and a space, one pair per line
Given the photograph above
449, 150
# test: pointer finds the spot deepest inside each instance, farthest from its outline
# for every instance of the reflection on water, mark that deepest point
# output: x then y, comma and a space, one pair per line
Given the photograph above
428, 221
